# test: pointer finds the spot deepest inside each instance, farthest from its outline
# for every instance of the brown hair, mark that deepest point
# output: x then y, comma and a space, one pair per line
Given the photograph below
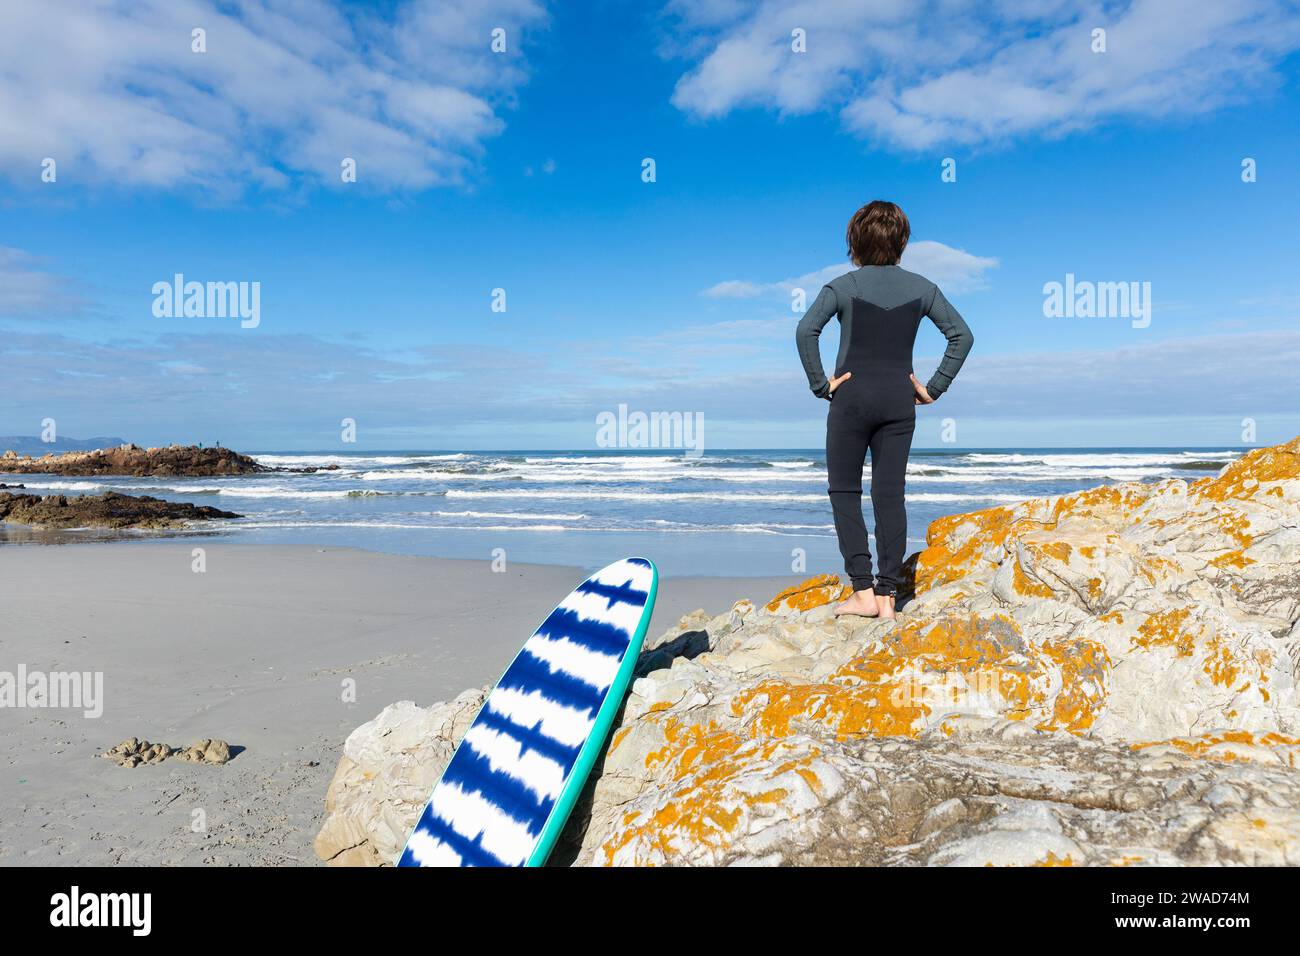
878, 234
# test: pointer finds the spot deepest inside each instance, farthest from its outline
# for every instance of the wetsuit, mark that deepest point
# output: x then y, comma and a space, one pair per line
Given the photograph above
880, 309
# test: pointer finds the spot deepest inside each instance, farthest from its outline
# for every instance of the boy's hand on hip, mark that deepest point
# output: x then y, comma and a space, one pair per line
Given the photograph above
922, 396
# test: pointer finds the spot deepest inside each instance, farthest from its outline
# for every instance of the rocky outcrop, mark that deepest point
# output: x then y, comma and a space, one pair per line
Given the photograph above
1101, 678
135, 751
132, 460
385, 770
109, 510
34, 445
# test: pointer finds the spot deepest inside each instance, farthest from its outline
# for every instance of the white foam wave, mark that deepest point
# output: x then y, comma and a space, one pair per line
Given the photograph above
320, 461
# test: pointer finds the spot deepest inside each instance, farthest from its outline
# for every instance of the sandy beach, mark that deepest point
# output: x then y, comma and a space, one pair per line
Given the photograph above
257, 650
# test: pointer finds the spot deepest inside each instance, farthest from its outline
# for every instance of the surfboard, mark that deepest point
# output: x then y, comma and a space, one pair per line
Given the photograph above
510, 785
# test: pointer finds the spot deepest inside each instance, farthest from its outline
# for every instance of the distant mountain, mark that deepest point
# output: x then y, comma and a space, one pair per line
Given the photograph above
32, 444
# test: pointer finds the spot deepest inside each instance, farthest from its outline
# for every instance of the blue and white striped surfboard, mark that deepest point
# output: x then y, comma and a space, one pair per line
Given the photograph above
507, 791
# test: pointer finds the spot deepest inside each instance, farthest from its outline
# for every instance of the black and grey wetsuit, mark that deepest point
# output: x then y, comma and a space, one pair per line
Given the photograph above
880, 310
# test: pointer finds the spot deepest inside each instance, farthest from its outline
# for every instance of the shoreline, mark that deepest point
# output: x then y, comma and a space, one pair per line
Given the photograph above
256, 651
708, 550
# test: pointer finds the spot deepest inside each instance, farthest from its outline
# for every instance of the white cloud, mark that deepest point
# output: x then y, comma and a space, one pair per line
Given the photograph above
974, 71
27, 290
186, 386
744, 289
737, 289
1231, 375
113, 92
954, 270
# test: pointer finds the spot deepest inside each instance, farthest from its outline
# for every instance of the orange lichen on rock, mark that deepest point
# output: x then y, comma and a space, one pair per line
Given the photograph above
956, 543
1232, 559
1054, 549
691, 744
697, 820
1102, 501
1165, 629
1224, 664
895, 684
1234, 526
1084, 667
1221, 666
705, 811
1155, 568
1024, 585
809, 777
1053, 860
944, 560
846, 710
621, 837
1283, 747
618, 737
810, 594
1242, 478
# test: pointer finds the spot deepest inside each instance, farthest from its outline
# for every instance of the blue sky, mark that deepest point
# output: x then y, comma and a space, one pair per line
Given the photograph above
522, 171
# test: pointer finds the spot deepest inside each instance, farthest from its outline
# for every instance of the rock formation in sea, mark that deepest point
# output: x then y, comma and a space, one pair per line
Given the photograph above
132, 460
1100, 678
109, 510
35, 445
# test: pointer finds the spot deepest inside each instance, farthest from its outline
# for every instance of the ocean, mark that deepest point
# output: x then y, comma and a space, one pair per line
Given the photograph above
751, 512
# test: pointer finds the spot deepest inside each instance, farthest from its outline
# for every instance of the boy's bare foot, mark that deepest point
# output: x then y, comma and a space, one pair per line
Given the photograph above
886, 603
862, 603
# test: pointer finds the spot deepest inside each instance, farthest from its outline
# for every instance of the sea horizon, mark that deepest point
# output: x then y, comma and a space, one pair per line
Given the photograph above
725, 512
